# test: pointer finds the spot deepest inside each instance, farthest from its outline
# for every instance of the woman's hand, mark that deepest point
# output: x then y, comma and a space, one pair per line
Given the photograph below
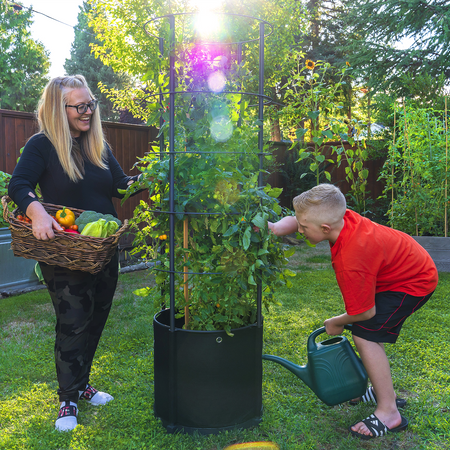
42, 223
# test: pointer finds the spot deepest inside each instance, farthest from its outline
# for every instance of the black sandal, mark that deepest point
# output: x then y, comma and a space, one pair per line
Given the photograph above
370, 396
377, 427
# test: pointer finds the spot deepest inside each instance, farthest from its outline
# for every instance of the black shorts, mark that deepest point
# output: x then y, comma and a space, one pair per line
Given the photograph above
392, 309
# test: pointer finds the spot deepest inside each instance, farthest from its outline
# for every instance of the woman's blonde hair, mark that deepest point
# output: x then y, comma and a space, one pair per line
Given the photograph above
54, 124
327, 201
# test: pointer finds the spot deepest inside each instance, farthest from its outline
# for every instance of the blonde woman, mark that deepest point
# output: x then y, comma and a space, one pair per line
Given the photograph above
74, 167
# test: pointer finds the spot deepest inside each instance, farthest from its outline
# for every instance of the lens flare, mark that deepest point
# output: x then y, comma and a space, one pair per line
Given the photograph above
217, 81
221, 128
207, 23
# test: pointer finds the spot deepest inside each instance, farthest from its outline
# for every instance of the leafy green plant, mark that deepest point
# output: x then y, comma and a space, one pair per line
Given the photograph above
222, 247
416, 172
355, 172
224, 243
4, 180
312, 92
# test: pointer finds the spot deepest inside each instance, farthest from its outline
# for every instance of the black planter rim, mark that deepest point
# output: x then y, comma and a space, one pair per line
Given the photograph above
155, 319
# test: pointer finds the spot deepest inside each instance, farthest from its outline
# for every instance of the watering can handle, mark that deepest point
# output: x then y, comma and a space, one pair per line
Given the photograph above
312, 337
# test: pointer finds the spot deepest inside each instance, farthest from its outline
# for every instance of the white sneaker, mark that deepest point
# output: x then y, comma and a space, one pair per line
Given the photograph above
94, 397
67, 416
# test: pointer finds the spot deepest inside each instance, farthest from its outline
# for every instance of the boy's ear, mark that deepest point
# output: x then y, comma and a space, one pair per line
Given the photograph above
326, 229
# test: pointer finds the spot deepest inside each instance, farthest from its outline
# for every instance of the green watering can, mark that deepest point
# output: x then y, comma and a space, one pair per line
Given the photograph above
334, 372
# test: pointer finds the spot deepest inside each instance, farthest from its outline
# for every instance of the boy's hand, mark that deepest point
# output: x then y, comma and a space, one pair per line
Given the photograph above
332, 328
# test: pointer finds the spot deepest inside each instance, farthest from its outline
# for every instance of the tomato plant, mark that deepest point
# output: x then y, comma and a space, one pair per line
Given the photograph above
222, 245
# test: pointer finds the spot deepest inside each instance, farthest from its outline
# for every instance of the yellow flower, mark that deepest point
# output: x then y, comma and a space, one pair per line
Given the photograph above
310, 64
348, 64
163, 237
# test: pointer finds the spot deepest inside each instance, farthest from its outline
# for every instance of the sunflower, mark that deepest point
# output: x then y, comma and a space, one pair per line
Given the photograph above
310, 64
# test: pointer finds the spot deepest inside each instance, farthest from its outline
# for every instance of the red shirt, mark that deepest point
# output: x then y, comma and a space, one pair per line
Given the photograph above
369, 258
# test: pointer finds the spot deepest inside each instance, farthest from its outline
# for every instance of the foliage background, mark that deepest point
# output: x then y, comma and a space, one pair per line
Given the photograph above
24, 63
83, 61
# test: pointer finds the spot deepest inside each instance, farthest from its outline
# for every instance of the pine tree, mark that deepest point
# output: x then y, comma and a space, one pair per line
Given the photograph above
24, 63
83, 62
381, 26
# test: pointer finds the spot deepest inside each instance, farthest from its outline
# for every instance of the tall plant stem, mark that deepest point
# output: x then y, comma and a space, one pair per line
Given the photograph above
392, 169
410, 166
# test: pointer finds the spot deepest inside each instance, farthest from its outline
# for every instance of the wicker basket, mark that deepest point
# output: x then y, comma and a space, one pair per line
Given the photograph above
70, 250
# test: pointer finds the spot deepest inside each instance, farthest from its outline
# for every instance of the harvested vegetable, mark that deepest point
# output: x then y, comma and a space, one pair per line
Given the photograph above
65, 217
100, 228
91, 216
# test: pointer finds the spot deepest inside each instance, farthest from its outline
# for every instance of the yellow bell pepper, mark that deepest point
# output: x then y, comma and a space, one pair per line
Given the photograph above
65, 217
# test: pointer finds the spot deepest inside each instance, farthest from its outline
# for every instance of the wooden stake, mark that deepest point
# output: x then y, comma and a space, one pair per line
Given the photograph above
410, 165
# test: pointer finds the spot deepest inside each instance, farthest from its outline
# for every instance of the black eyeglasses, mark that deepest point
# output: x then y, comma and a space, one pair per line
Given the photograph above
81, 109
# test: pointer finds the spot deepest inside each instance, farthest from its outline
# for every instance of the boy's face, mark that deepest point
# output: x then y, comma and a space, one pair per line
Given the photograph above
311, 230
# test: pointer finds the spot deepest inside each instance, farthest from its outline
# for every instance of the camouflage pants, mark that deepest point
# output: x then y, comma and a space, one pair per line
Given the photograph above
82, 302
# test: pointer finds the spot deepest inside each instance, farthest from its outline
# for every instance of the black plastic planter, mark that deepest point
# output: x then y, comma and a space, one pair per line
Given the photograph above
207, 381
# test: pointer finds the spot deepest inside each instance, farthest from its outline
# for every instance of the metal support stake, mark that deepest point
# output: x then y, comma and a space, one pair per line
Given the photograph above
172, 170
261, 147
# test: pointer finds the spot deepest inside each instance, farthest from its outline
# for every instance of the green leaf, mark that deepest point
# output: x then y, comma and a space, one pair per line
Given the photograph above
289, 273
288, 253
300, 132
313, 114
246, 239
231, 230
259, 221
143, 292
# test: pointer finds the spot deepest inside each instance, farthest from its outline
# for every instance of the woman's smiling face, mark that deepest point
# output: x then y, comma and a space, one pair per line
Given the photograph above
78, 122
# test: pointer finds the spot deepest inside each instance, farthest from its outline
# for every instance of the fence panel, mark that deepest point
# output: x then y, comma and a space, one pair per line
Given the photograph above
374, 188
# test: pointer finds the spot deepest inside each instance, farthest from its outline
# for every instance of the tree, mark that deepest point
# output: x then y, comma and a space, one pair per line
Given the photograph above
126, 45
24, 63
83, 61
381, 25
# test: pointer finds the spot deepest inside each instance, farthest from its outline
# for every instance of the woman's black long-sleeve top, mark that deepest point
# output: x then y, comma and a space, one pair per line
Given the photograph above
39, 164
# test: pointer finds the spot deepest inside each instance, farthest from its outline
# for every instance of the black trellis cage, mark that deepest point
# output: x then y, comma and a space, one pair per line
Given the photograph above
172, 93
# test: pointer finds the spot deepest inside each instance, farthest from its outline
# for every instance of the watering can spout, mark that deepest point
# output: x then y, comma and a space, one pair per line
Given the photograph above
301, 372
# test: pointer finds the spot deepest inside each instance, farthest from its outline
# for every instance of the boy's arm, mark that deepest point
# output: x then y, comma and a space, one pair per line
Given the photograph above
287, 225
335, 325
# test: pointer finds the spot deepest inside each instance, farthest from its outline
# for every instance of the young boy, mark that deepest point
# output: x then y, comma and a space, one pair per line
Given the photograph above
384, 276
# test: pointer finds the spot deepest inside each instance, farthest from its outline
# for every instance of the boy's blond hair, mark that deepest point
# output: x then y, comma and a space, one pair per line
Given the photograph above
54, 124
326, 202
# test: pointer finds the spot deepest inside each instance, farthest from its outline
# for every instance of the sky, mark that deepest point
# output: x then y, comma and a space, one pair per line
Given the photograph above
56, 37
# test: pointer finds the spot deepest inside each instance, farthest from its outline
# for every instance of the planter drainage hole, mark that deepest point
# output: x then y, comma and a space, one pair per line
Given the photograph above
219, 340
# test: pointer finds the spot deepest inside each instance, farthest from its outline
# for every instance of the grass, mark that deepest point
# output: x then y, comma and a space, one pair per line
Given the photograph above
293, 417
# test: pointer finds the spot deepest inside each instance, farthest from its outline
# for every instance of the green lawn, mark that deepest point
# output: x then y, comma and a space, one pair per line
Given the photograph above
293, 417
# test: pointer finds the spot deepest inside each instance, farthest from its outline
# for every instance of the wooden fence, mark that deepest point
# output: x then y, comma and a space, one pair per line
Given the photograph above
127, 141
132, 141
374, 187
